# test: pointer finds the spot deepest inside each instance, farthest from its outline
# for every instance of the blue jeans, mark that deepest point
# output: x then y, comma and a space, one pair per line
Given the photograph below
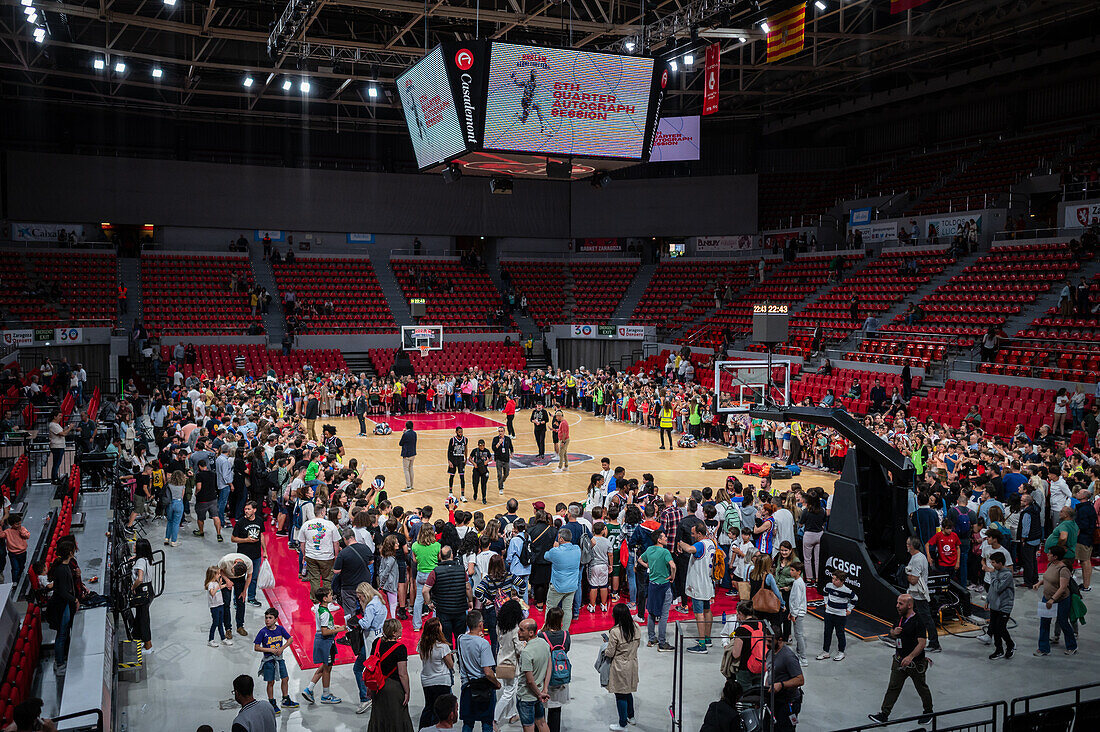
217, 620
256, 564
175, 515
1063, 625
964, 578
624, 705
357, 671
418, 601
631, 581
577, 598
469, 727
18, 563
658, 604
223, 501
61, 642
58, 454
232, 598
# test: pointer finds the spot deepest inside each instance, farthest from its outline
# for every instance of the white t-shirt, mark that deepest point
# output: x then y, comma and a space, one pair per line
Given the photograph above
435, 671
988, 549
140, 565
1060, 404
57, 439
213, 596
784, 526
318, 538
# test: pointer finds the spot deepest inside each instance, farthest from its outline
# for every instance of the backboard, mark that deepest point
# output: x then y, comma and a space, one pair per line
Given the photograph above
743, 384
422, 338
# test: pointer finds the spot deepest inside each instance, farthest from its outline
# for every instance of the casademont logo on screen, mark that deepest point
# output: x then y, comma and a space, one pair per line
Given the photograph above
464, 60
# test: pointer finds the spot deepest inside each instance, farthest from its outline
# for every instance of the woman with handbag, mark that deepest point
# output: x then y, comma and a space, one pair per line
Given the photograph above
622, 649
437, 674
767, 603
390, 712
141, 592
508, 619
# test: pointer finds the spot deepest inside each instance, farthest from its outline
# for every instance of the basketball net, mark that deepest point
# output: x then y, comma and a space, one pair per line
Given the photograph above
423, 350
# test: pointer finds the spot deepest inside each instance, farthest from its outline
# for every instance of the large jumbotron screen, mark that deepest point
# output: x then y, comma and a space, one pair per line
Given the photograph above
566, 102
430, 112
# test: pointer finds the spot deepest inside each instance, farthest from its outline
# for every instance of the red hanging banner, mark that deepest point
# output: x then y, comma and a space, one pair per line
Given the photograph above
710, 91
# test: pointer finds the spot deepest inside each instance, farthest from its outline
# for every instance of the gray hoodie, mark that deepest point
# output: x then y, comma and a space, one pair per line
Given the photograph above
1002, 591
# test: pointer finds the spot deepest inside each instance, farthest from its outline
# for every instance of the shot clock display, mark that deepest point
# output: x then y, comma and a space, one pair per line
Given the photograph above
770, 322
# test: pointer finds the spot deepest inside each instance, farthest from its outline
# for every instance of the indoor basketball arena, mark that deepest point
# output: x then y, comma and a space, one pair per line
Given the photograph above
678, 366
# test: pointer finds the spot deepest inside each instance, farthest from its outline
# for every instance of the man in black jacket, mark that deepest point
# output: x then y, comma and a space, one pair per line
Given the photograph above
360, 409
448, 593
539, 418
503, 449
313, 410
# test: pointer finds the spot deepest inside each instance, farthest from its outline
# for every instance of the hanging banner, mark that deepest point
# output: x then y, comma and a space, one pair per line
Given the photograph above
859, 216
726, 243
45, 232
710, 92
275, 235
360, 238
1080, 215
23, 337
878, 231
951, 225
677, 138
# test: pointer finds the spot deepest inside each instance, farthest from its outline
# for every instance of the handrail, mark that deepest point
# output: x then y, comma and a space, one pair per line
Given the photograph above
1082, 191
937, 722
76, 715
1026, 700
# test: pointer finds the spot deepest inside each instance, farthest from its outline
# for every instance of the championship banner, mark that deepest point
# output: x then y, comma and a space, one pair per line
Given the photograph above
878, 231
951, 225
900, 6
710, 92
726, 243
677, 138
599, 245
787, 33
1080, 215
44, 232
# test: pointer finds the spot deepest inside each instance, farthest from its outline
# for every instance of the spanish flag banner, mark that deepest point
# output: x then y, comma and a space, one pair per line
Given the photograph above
900, 6
787, 33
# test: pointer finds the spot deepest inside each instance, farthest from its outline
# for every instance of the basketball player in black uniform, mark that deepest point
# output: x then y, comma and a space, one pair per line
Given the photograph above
456, 462
528, 101
539, 418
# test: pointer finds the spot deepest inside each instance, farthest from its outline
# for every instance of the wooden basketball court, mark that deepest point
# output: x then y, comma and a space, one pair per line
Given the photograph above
591, 438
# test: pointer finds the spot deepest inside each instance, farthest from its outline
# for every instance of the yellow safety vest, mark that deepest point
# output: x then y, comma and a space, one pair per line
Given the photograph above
666, 419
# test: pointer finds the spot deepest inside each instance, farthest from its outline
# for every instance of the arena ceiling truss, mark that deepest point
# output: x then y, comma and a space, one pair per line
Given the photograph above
234, 58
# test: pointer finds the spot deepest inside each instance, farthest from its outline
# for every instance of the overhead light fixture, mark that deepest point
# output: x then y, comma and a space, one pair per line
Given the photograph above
28, 9
820, 4
157, 72
765, 27
99, 64
287, 85
743, 39
689, 59
32, 18
372, 91
629, 45
170, 3
304, 87
672, 64
120, 67
247, 82
40, 35
25, 3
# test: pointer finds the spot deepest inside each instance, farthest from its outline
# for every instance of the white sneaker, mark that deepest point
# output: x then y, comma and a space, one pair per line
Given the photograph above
839, 656
227, 642
213, 644
557, 470
632, 721
363, 707
175, 543
822, 656
983, 638
614, 727
590, 608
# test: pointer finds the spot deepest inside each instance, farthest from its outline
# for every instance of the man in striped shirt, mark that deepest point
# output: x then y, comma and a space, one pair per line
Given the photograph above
840, 600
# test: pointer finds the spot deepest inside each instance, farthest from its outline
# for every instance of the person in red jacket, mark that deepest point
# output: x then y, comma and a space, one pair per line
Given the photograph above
510, 413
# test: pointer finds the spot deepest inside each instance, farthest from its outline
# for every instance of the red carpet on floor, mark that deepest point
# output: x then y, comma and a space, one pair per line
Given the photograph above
436, 421
290, 597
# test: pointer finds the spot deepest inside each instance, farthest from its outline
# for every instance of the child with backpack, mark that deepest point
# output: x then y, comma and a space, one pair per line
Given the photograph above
324, 646
271, 641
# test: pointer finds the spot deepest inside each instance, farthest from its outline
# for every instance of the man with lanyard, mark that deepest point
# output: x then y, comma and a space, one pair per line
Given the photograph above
539, 418
909, 662
699, 583
786, 681
503, 449
360, 408
333, 444
456, 462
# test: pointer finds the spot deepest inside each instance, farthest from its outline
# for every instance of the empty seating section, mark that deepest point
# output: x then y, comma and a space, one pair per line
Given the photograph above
19, 675
920, 172
681, 290
790, 284
219, 360
878, 287
598, 287
188, 294
544, 283
474, 300
350, 284
60, 288
1002, 406
1054, 346
989, 291
783, 196
455, 357
814, 387
991, 174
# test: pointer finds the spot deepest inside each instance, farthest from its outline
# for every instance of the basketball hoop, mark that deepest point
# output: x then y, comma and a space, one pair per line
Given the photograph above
424, 349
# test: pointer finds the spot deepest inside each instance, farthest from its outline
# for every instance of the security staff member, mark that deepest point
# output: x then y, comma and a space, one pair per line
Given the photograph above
668, 418
539, 418
503, 450
570, 391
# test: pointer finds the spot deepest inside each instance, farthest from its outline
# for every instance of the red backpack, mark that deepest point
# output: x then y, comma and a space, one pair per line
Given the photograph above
372, 669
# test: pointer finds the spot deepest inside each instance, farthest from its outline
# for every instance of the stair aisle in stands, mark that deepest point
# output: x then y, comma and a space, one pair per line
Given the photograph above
634, 293
395, 299
129, 276
275, 319
526, 324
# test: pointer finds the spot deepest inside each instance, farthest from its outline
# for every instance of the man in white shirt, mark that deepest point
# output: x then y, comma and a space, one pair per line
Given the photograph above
1059, 492
319, 539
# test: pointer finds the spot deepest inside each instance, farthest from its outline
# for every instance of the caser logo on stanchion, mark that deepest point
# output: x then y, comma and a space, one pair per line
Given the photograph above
464, 59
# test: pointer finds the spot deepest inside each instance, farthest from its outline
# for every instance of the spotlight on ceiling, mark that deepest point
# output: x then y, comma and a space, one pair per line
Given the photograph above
600, 179
287, 85
170, 3
25, 3
157, 72
247, 82
820, 4
629, 45
40, 35
99, 64
689, 59
120, 67
765, 27
28, 9
32, 17
672, 64
372, 91
304, 86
